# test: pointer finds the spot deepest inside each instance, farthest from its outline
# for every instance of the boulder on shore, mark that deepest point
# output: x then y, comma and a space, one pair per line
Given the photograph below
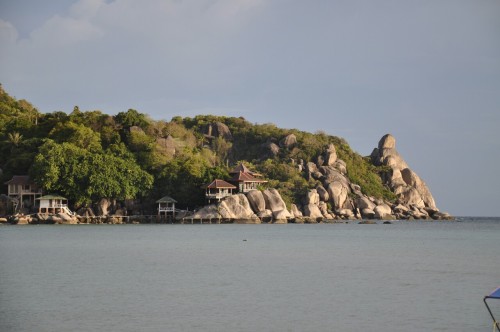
274, 202
256, 200
236, 207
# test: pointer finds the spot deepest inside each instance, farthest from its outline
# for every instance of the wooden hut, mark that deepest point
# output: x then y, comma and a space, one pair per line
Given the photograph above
53, 204
217, 190
23, 191
166, 206
245, 179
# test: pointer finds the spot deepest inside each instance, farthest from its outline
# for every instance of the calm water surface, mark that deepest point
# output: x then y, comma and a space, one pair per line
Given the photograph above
408, 276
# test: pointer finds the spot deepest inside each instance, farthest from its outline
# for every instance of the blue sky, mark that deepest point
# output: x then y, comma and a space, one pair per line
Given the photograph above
426, 71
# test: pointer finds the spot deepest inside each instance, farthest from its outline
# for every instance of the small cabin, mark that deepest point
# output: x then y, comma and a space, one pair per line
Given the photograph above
245, 179
23, 191
53, 204
166, 206
217, 190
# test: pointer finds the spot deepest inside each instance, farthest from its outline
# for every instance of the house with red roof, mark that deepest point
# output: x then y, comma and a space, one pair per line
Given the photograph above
217, 190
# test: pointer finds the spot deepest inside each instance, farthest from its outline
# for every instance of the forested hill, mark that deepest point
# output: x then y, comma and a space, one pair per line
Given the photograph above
88, 155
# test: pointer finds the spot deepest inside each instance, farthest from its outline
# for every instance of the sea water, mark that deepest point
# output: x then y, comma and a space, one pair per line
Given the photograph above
407, 276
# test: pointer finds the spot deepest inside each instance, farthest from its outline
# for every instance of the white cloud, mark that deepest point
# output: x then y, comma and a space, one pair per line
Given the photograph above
8, 33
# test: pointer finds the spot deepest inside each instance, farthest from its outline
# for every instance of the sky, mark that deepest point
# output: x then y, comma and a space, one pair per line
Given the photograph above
427, 72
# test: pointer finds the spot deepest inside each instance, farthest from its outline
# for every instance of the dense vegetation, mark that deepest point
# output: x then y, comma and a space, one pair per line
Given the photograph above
88, 155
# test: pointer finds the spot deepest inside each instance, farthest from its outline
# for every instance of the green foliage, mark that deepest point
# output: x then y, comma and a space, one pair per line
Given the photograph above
287, 179
184, 176
88, 155
76, 134
84, 176
132, 118
362, 172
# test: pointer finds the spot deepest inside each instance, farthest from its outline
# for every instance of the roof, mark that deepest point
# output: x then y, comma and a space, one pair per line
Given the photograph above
495, 294
166, 199
240, 168
217, 183
52, 197
20, 179
246, 177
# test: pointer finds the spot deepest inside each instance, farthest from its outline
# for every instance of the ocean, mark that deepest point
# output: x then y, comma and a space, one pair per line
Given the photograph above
407, 276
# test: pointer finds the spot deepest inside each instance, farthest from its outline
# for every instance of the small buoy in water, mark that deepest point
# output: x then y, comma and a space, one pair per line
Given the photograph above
245, 240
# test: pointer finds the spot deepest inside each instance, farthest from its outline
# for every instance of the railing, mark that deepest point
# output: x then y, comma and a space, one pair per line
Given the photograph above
25, 191
166, 209
217, 196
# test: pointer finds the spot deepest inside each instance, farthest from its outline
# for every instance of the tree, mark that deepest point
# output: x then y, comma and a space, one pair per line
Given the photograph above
77, 134
84, 176
14, 138
132, 118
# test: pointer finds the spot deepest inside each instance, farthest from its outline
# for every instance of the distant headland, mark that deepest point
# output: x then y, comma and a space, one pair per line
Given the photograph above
91, 167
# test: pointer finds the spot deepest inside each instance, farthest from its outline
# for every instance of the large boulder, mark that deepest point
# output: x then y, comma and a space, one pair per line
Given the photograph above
413, 180
271, 150
104, 207
405, 183
266, 215
288, 141
236, 207
312, 211
330, 155
341, 166
365, 203
167, 144
294, 210
382, 211
331, 174
323, 193
281, 217
218, 129
256, 200
312, 197
273, 200
207, 212
275, 203
338, 192
312, 171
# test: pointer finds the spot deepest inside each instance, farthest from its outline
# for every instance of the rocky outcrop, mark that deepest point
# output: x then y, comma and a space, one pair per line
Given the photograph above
347, 199
85, 212
236, 207
167, 144
330, 155
405, 183
256, 200
271, 150
104, 206
275, 203
294, 210
254, 206
207, 212
288, 141
218, 129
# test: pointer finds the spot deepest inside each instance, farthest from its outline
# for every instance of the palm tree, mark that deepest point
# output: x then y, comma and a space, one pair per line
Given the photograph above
14, 138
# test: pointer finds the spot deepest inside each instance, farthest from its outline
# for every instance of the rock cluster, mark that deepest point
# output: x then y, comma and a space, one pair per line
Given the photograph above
218, 129
337, 198
406, 184
255, 206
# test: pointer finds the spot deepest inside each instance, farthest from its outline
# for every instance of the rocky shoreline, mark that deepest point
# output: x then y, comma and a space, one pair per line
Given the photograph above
334, 199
